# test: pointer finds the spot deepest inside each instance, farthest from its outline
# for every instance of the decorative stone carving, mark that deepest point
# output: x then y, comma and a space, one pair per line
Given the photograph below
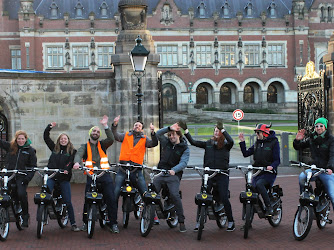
133, 14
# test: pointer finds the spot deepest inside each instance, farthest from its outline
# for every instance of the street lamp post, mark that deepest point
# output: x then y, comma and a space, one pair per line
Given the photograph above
190, 89
138, 56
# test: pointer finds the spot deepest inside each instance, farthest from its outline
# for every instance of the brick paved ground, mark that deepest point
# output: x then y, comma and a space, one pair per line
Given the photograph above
262, 236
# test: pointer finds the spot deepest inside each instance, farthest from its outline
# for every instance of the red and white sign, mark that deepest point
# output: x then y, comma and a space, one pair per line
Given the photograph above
238, 114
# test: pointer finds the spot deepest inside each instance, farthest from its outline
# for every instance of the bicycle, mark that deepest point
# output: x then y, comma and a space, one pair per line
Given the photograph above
96, 207
153, 203
10, 206
49, 205
208, 204
311, 203
131, 197
253, 204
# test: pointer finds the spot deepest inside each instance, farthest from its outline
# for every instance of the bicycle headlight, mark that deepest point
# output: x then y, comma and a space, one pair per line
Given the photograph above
249, 194
42, 195
128, 189
312, 197
204, 196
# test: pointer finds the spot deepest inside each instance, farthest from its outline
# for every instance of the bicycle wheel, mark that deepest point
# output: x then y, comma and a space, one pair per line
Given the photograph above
248, 219
18, 217
19, 222
4, 223
62, 217
41, 216
126, 216
147, 219
91, 220
221, 219
302, 222
172, 219
322, 220
201, 220
103, 217
276, 218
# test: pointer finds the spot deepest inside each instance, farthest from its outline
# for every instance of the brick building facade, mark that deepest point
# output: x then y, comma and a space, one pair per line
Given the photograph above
219, 53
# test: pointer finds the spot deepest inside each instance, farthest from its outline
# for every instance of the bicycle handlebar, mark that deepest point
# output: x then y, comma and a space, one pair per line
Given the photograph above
207, 169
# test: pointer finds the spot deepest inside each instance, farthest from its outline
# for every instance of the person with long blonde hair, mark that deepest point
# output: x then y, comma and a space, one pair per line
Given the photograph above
62, 157
21, 156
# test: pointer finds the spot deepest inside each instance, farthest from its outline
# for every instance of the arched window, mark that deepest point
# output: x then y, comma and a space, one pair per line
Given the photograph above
226, 11
249, 9
54, 10
225, 95
201, 95
169, 97
201, 8
104, 8
330, 14
272, 94
248, 94
79, 10
322, 17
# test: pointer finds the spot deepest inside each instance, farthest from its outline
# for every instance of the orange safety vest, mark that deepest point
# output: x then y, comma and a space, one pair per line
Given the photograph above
104, 164
130, 152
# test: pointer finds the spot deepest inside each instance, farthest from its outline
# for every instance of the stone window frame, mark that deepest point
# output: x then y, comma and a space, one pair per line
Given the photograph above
168, 55
105, 55
86, 56
185, 57
247, 54
15, 58
226, 7
223, 53
270, 54
104, 8
203, 55
59, 55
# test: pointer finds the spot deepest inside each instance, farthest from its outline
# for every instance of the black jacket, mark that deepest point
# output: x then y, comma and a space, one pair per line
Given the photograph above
214, 157
322, 149
60, 160
25, 158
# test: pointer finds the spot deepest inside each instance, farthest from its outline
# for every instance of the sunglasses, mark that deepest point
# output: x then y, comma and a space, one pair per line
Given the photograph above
319, 126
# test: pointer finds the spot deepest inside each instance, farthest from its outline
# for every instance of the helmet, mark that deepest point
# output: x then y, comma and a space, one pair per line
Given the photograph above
263, 128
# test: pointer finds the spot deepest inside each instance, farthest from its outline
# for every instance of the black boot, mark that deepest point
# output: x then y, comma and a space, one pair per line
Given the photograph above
25, 218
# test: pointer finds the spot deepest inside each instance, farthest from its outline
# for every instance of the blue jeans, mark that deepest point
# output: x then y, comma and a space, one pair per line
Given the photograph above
106, 187
136, 177
326, 179
65, 187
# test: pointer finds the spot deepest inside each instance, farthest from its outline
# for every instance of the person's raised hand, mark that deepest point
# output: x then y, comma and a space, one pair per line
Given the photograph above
241, 137
53, 124
104, 120
183, 125
300, 135
175, 127
116, 120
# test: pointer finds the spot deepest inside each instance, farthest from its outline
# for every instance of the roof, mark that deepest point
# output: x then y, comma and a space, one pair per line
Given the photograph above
42, 7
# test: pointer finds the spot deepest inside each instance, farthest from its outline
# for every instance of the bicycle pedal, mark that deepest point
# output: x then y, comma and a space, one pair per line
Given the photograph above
329, 221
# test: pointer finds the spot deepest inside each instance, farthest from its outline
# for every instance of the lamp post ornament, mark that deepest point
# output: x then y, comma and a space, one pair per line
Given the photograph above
190, 89
138, 56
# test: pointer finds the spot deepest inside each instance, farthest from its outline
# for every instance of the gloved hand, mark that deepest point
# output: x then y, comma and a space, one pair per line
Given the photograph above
183, 125
220, 125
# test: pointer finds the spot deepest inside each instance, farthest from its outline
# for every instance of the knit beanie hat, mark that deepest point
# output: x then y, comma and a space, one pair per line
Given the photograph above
322, 120
90, 131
